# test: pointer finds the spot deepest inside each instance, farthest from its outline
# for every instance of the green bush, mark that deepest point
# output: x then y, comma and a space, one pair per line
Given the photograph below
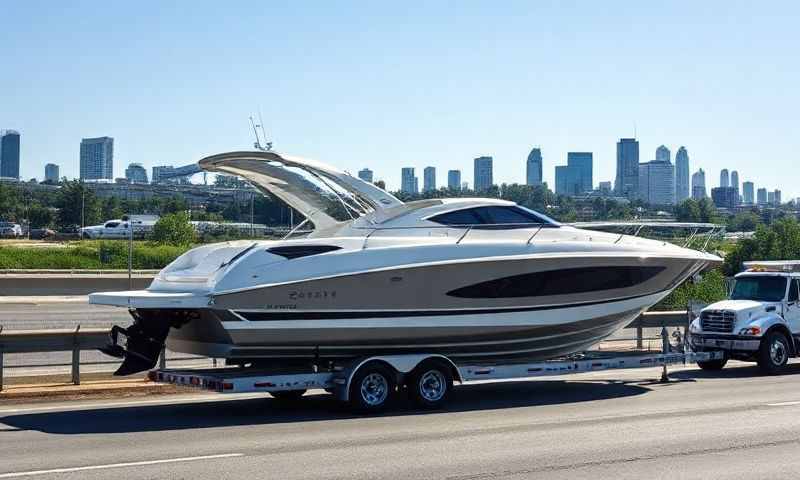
174, 229
779, 241
108, 254
710, 289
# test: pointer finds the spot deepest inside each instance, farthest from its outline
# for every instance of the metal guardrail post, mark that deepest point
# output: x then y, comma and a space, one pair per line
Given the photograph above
76, 358
664, 349
162, 361
1, 361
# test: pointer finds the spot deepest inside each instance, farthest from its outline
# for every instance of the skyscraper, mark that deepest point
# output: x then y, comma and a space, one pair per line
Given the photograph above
626, 183
51, 173
97, 158
748, 192
762, 196
682, 191
735, 184
663, 154
429, 179
136, 173
366, 175
483, 174
9, 153
657, 182
699, 185
723, 197
160, 171
723, 178
575, 178
534, 167
776, 195
771, 198
454, 179
408, 181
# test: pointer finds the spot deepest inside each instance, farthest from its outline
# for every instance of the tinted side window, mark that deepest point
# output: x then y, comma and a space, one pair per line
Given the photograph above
559, 282
794, 294
458, 217
501, 215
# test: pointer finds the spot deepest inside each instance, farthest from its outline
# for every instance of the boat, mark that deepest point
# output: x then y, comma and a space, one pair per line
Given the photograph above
475, 279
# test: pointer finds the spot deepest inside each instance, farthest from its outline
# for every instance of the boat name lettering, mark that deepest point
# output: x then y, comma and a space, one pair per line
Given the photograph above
281, 307
312, 294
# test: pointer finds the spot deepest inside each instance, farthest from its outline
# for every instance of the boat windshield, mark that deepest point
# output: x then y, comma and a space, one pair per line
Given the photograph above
760, 288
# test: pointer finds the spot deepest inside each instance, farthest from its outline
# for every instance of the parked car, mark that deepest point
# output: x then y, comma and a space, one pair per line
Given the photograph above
10, 230
42, 234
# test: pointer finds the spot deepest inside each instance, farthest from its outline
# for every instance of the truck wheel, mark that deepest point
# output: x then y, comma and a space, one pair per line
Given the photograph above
430, 384
288, 395
713, 365
371, 388
773, 353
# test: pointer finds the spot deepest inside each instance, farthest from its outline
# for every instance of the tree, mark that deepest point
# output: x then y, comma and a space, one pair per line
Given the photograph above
744, 222
174, 229
779, 241
688, 211
75, 202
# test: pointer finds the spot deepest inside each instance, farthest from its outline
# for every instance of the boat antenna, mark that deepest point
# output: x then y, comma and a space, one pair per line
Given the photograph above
266, 146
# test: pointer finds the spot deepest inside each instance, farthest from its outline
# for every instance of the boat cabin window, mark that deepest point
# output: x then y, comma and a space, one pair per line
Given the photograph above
763, 288
491, 217
559, 282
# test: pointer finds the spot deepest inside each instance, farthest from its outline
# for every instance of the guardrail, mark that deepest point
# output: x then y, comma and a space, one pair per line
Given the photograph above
77, 340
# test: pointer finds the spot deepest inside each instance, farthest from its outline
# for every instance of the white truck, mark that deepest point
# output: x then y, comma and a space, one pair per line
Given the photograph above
120, 229
759, 322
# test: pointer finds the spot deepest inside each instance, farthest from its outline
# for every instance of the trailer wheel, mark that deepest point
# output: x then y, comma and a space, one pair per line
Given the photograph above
371, 387
714, 365
430, 384
288, 395
773, 354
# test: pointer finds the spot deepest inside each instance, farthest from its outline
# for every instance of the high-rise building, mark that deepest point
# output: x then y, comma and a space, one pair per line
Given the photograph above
762, 196
159, 172
663, 154
724, 197
51, 173
9, 153
366, 175
735, 184
699, 185
748, 193
429, 179
771, 198
657, 182
534, 167
408, 181
136, 173
575, 178
483, 174
724, 181
97, 158
454, 179
682, 191
776, 197
626, 183
604, 188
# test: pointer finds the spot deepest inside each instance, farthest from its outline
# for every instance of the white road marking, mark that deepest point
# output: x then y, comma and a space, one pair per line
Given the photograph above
118, 465
783, 404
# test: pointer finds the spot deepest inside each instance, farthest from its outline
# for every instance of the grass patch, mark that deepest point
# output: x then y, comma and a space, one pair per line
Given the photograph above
90, 254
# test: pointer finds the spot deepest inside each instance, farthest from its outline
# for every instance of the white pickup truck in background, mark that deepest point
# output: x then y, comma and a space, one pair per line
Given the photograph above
120, 229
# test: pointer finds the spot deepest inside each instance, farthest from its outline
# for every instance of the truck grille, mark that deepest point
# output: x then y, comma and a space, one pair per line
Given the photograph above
720, 321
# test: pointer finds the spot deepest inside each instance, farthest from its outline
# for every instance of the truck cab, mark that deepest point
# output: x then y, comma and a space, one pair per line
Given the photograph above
760, 321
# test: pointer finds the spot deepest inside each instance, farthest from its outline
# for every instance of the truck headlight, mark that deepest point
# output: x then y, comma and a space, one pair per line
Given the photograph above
694, 327
750, 331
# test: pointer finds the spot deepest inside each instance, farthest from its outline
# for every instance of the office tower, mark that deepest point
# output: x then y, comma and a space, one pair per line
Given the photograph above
626, 183
762, 196
483, 174
9, 154
464, 185
748, 192
454, 179
160, 173
699, 184
97, 158
724, 197
408, 182
657, 182
724, 181
575, 178
429, 179
663, 154
534, 167
51, 173
605, 188
735, 184
771, 198
366, 175
776, 197
682, 190
136, 173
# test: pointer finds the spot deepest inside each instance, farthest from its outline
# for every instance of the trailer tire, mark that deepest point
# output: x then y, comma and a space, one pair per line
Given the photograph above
430, 384
773, 354
713, 365
288, 395
371, 387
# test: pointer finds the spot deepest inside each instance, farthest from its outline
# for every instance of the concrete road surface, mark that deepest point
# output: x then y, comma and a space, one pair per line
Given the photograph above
734, 424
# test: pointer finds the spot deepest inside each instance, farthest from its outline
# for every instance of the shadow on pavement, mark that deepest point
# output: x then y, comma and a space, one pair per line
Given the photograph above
264, 411
737, 370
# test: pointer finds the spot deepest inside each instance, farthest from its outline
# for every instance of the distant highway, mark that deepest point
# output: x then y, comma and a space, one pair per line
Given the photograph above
621, 425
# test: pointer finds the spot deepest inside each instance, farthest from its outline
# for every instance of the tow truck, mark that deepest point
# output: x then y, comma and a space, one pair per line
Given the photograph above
760, 321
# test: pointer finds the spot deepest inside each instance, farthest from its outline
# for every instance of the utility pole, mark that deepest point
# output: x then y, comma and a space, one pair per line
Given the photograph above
252, 204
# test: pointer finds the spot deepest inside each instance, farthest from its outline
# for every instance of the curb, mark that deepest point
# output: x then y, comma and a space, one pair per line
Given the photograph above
107, 389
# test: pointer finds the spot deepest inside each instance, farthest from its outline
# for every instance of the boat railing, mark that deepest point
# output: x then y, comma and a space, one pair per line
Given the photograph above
524, 228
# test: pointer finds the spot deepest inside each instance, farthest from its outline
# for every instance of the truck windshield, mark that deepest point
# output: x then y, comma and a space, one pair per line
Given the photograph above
761, 288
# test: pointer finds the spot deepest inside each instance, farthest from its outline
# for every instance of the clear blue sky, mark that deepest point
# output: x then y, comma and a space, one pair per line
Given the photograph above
385, 86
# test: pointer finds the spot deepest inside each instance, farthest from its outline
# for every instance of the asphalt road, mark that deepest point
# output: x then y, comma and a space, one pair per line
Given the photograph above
734, 424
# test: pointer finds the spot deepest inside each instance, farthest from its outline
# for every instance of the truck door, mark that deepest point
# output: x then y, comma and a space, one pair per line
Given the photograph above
792, 312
